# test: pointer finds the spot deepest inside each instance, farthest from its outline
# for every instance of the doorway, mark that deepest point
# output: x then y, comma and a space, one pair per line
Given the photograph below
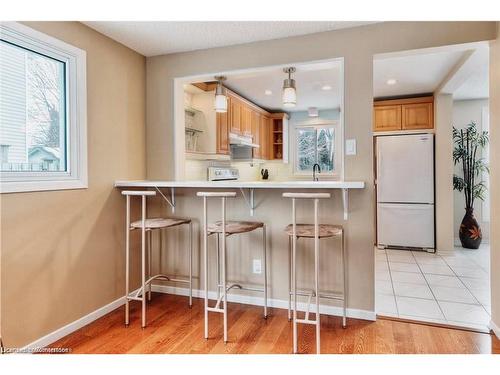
450, 286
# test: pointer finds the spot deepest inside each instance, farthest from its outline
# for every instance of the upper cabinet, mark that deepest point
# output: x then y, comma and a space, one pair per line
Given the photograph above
256, 116
234, 107
222, 146
404, 114
387, 117
417, 116
246, 120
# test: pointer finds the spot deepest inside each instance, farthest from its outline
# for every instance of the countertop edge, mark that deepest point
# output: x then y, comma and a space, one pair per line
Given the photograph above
243, 184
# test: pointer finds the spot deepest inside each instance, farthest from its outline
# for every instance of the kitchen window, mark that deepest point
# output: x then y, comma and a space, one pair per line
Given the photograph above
317, 144
42, 112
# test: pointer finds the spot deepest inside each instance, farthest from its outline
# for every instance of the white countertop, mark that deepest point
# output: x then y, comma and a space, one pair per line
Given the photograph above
244, 184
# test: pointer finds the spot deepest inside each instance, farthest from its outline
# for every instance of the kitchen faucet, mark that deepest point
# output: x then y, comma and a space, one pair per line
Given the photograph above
314, 171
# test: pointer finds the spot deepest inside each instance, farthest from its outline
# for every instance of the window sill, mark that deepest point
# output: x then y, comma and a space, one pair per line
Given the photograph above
33, 186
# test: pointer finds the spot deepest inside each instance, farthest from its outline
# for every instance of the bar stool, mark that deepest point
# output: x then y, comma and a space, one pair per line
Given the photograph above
225, 229
148, 225
316, 231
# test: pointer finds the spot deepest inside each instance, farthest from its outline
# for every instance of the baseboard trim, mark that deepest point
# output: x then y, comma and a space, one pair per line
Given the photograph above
495, 329
73, 326
272, 302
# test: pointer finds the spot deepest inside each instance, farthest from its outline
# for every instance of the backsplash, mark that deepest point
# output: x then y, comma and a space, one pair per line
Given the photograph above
196, 170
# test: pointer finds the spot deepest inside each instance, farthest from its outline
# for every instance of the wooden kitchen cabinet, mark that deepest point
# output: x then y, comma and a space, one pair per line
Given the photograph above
222, 146
265, 137
246, 119
404, 114
257, 152
417, 116
387, 118
235, 115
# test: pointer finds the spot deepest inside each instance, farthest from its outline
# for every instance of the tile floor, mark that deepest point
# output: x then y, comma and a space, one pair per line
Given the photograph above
450, 288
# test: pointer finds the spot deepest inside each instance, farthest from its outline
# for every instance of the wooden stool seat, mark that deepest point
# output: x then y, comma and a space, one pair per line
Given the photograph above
234, 227
307, 230
159, 222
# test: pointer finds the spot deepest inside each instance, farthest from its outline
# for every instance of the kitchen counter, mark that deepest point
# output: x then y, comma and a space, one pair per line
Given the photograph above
344, 186
244, 184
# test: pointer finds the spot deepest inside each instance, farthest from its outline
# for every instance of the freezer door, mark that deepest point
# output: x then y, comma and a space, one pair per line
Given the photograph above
406, 225
405, 168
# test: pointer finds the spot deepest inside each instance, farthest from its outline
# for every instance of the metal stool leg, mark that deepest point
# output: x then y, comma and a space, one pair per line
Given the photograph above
191, 264
224, 275
289, 278
205, 260
127, 263
217, 261
316, 274
149, 262
265, 269
294, 277
344, 283
143, 257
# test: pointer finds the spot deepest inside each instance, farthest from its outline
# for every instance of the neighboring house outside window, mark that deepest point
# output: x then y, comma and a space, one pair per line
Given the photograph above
42, 111
4, 156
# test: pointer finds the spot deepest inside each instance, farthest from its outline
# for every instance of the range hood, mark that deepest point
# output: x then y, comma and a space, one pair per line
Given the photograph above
241, 140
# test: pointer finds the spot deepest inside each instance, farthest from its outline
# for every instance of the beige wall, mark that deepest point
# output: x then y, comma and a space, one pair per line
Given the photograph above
495, 178
444, 172
62, 251
357, 46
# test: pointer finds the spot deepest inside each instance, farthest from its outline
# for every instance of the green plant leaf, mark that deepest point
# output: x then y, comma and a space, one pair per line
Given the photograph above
458, 183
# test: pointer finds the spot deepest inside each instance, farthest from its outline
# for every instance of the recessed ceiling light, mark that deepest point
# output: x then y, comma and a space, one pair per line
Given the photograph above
391, 81
312, 112
326, 87
268, 92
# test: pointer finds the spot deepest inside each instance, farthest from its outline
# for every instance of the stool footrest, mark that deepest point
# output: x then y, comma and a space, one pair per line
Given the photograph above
134, 298
166, 278
336, 296
306, 321
215, 309
241, 287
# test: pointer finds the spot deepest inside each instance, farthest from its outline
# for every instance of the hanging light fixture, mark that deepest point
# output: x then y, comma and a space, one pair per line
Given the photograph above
289, 91
220, 95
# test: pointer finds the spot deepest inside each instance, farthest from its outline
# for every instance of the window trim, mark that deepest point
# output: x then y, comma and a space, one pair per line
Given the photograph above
338, 162
76, 175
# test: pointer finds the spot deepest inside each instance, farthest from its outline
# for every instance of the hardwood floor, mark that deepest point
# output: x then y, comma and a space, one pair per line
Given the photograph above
174, 328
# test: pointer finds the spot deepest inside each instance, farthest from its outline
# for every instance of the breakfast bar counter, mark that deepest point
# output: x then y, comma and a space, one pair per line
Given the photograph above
249, 197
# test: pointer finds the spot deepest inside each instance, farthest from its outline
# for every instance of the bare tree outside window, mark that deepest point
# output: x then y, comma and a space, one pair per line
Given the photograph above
45, 94
32, 110
315, 145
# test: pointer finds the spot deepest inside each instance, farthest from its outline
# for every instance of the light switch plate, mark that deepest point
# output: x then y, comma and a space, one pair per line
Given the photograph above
350, 147
257, 266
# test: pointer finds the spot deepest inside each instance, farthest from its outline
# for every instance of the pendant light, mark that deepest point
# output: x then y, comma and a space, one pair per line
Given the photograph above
220, 96
289, 91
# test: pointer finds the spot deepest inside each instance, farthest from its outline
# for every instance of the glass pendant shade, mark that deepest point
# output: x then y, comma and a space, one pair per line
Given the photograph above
289, 91
289, 97
220, 103
220, 96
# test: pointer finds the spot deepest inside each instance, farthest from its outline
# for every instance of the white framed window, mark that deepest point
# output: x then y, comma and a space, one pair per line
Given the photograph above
318, 144
43, 112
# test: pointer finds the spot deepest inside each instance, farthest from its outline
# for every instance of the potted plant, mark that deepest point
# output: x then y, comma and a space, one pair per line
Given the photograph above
467, 143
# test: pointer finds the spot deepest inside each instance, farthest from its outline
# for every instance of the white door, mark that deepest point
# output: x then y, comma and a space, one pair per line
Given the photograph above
406, 225
405, 168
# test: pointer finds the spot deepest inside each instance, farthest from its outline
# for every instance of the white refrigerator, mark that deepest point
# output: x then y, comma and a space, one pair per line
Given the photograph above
405, 191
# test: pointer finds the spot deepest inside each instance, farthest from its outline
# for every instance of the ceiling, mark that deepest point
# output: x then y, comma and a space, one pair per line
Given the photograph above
310, 79
419, 72
159, 38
